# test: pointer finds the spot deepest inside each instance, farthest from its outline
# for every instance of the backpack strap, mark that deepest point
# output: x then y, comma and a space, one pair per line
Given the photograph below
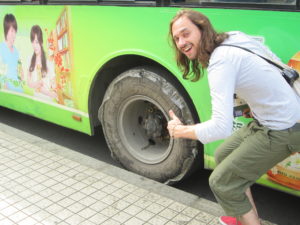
248, 50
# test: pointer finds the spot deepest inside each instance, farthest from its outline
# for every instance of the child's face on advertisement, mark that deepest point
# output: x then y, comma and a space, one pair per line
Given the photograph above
11, 36
36, 46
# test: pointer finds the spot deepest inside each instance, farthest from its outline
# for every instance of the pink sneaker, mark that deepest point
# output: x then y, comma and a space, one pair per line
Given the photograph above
228, 220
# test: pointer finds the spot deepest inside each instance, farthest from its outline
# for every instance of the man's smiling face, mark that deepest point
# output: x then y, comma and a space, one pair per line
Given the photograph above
187, 37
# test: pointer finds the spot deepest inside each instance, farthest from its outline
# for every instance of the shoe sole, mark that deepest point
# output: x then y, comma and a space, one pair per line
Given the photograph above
222, 222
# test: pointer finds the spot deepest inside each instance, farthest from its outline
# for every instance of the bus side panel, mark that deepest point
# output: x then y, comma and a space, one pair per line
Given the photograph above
42, 88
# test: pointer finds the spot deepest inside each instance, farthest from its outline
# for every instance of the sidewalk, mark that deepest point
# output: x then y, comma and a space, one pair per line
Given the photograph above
46, 184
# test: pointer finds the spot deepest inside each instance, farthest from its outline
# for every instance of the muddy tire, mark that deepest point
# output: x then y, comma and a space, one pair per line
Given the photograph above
134, 116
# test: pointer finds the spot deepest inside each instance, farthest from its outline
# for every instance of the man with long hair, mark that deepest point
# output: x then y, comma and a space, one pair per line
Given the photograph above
273, 134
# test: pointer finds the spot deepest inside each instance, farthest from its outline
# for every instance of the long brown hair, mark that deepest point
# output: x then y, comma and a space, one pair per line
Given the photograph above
210, 39
37, 31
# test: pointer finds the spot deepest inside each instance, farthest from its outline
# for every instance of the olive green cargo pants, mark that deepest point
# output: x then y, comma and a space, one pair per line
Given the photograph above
244, 157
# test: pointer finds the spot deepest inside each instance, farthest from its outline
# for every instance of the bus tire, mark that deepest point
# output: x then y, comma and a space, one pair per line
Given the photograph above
134, 116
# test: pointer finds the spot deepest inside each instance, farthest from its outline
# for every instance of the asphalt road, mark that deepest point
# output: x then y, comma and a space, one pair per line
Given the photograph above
274, 206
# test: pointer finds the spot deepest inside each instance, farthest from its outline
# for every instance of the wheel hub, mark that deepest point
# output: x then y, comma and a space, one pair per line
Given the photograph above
153, 124
143, 129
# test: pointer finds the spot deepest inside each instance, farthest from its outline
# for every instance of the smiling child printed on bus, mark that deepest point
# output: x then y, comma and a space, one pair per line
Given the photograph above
10, 66
41, 76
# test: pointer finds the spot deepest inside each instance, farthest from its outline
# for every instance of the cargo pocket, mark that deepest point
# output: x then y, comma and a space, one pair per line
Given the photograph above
294, 141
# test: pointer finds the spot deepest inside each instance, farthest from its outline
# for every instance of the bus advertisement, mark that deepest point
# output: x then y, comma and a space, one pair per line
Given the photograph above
84, 64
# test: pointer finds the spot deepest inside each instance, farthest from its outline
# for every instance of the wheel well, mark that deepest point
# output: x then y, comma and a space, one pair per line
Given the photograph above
115, 67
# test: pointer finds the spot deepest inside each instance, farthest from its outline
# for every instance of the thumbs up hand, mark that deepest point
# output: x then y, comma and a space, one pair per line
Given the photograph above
172, 124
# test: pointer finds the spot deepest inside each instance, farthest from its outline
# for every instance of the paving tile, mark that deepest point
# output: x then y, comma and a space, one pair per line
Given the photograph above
38, 188
60, 177
145, 215
119, 183
76, 207
197, 222
64, 214
109, 199
56, 197
54, 208
66, 202
176, 206
87, 201
133, 210
204, 217
34, 198
77, 196
111, 222
174, 223
88, 190
98, 218
87, 213
134, 221
67, 191
86, 222
109, 179
109, 211
130, 188
20, 205
158, 220
51, 220
58, 187
47, 192
9, 210
49, 182
81, 168
41, 178
152, 197
44, 203
27, 221
98, 206
122, 217
75, 219
98, 195
109, 189
90, 171
191, 212
7, 221
18, 216
131, 198
143, 203
71, 172
90, 180
120, 193
62, 169
164, 201
31, 210
121, 205
79, 186
141, 192
41, 215
181, 219
99, 184
155, 208
168, 213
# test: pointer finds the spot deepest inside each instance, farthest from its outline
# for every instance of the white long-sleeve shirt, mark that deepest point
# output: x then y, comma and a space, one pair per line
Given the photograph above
232, 70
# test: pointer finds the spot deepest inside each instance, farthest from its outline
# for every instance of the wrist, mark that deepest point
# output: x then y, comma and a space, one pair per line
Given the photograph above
186, 131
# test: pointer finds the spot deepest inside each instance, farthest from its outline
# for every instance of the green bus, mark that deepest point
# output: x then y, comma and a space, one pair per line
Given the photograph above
83, 64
